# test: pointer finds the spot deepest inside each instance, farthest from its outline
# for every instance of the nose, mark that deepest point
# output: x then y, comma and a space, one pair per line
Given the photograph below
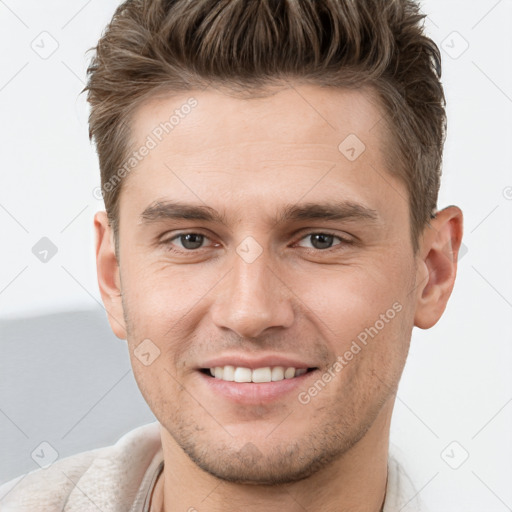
253, 298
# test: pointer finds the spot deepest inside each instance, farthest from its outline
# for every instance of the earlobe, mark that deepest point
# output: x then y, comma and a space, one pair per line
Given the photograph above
108, 274
436, 274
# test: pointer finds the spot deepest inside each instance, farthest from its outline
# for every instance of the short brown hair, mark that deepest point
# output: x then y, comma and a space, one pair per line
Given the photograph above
155, 47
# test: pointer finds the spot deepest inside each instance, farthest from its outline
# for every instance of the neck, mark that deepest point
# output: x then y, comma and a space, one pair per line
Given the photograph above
355, 482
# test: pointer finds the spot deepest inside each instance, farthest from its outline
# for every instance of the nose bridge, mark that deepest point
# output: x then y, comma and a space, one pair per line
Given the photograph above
253, 298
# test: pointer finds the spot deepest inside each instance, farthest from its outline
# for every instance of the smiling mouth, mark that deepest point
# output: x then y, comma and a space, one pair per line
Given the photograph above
256, 375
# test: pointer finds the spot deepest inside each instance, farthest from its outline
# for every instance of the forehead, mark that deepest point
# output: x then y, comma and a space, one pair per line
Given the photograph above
301, 114
210, 148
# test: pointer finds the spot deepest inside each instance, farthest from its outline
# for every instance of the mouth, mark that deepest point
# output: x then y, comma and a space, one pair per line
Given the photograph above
254, 386
255, 379
265, 374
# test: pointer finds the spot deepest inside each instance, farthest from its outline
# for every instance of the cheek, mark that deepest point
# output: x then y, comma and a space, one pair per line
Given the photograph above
158, 385
163, 308
343, 302
349, 299
363, 314
157, 293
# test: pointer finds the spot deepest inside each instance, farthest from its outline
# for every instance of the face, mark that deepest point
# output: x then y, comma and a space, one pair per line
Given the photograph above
291, 249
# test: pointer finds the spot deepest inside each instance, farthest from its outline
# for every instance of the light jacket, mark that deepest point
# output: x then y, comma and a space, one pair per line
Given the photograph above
119, 478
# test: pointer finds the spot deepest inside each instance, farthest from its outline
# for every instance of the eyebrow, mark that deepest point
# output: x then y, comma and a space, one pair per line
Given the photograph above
341, 210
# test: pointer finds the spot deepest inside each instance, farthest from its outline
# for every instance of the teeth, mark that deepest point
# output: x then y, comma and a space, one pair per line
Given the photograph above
277, 373
289, 373
266, 374
262, 375
229, 373
242, 374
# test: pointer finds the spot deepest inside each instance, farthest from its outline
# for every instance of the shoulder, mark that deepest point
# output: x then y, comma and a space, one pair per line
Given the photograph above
84, 480
48, 488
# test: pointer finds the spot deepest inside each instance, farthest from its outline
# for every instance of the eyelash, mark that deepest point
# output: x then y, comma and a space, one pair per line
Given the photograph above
344, 241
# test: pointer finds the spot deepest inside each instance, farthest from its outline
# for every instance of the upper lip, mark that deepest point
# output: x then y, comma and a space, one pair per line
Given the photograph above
240, 360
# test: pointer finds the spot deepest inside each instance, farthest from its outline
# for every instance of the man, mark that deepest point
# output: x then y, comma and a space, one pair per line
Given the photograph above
270, 171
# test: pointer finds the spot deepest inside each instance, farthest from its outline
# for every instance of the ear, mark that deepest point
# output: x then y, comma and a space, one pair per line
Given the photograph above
107, 268
437, 268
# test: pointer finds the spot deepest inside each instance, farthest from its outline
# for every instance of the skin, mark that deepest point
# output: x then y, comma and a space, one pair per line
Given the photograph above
247, 158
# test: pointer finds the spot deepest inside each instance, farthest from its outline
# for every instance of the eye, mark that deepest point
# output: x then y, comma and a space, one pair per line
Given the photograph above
189, 241
322, 241
192, 241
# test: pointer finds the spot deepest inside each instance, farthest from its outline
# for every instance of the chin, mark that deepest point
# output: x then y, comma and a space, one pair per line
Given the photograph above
279, 463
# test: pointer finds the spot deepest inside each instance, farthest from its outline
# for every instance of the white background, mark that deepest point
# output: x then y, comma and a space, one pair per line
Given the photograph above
457, 385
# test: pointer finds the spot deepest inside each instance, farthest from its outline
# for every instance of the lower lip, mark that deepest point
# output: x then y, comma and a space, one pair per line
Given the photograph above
255, 393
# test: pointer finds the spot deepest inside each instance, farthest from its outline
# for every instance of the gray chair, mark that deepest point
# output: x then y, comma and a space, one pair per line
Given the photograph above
65, 379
